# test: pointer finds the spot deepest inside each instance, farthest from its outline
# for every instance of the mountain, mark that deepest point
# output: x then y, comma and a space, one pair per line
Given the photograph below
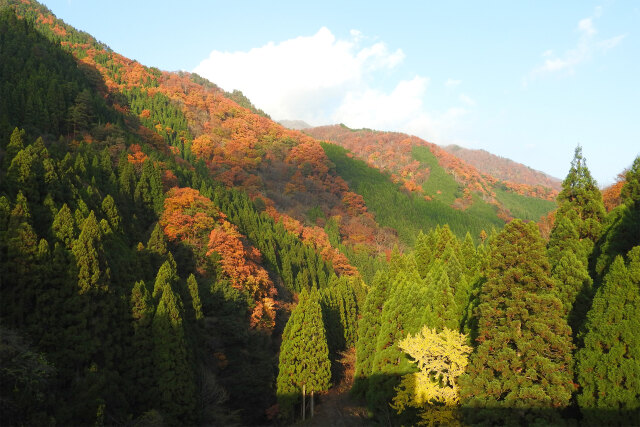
168, 252
504, 169
428, 170
146, 272
295, 124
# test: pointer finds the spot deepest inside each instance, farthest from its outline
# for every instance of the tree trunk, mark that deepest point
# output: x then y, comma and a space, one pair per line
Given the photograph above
303, 403
312, 404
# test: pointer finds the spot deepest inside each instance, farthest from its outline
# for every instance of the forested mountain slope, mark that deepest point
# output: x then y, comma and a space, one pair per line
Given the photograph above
134, 285
430, 171
171, 256
504, 169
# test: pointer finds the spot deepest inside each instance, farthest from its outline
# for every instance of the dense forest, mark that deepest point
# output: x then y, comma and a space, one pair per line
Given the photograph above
171, 256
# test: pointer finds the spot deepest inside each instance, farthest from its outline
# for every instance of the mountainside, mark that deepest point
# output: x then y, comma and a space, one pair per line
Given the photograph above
171, 256
428, 170
504, 169
137, 283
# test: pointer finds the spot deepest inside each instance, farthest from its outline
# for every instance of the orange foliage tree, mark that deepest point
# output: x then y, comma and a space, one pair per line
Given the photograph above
240, 262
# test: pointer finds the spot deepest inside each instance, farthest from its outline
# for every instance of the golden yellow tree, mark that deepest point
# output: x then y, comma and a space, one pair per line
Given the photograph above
441, 358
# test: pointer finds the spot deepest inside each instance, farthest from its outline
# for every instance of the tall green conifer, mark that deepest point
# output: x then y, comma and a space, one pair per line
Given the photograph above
523, 359
173, 369
608, 367
304, 354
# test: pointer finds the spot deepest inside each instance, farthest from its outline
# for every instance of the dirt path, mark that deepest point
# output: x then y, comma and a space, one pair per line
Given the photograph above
337, 408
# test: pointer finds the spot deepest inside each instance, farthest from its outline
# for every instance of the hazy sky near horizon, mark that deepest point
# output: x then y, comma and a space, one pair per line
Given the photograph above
524, 80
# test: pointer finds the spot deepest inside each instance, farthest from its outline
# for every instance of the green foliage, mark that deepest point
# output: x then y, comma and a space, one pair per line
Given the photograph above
194, 292
368, 329
171, 359
523, 359
403, 313
239, 98
403, 212
141, 357
581, 195
608, 367
524, 207
304, 354
25, 376
577, 228
339, 313
622, 225
440, 185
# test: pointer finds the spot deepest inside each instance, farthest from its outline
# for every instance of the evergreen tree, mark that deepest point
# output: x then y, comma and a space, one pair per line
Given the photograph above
304, 354
368, 329
573, 287
111, 212
608, 367
20, 267
173, 369
93, 273
16, 144
192, 284
141, 356
157, 243
167, 276
523, 359
622, 228
406, 311
64, 227
442, 310
581, 195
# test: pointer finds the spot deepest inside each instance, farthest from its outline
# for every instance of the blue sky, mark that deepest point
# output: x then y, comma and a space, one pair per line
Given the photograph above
525, 80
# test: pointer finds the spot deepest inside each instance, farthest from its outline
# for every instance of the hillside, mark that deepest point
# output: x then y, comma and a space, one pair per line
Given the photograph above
137, 283
171, 256
428, 170
502, 168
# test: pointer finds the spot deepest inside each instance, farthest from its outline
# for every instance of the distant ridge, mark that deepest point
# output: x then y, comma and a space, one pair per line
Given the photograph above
503, 168
295, 124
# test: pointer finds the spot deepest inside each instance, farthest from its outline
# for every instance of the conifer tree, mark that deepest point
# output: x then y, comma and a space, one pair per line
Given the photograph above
101, 308
111, 212
157, 242
469, 256
93, 273
622, 229
423, 251
442, 310
64, 227
368, 329
608, 367
580, 194
141, 357
20, 267
167, 276
523, 359
573, 287
173, 369
406, 311
16, 144
304, 354
192, 284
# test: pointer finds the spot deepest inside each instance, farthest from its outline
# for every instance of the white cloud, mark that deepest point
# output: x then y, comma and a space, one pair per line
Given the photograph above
452, 82
467, 100
584, 50
586, 26
298, 74
322, 79
607, 44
